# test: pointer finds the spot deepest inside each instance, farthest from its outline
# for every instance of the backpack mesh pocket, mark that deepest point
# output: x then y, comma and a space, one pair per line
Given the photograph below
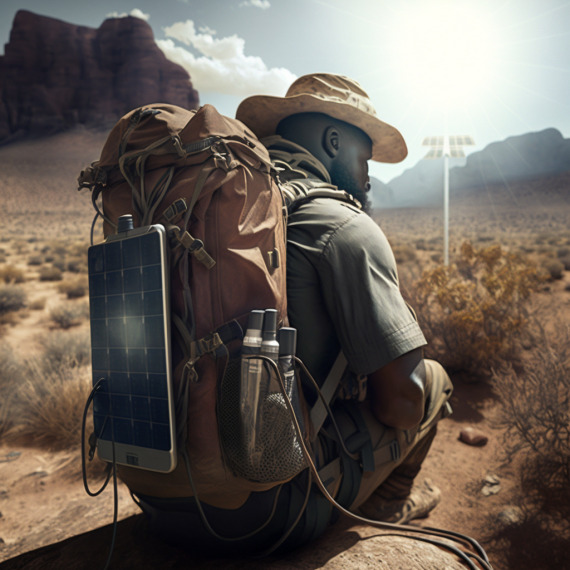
257, 435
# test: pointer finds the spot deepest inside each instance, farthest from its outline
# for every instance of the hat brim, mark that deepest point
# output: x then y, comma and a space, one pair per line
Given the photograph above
262, 114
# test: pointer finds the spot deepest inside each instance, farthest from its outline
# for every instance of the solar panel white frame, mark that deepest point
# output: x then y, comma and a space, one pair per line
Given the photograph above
133, 411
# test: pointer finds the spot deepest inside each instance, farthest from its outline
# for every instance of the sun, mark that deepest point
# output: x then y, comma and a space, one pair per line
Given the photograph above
447, 51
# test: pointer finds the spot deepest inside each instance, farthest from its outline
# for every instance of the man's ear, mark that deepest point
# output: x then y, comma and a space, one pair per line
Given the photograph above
331, 141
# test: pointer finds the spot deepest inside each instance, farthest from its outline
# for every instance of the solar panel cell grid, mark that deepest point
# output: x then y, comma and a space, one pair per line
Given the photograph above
128, 339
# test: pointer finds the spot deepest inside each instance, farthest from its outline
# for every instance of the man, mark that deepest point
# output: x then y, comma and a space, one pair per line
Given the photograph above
343, 292
356, 335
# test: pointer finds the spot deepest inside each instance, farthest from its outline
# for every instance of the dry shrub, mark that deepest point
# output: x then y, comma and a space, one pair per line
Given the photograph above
35, 260
474, 313
404, 253
536, 422
10, 379
554, 268
65, 350
50, 273
67, 315
74, 288
38, 304
565, 262
50, 392
50, 403
12, 274
12, 298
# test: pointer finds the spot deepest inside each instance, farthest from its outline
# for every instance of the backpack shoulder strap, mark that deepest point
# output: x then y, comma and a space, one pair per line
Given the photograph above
298, 191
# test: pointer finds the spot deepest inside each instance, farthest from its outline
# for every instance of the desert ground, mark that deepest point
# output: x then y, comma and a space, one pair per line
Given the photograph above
46, 224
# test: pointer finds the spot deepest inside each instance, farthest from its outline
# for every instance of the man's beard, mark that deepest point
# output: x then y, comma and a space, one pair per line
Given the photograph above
344, 181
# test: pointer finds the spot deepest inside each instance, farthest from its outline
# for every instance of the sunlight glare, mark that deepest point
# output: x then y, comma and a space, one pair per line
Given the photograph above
446, 52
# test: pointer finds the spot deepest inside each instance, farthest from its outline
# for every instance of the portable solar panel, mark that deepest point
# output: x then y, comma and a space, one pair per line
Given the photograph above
133, 408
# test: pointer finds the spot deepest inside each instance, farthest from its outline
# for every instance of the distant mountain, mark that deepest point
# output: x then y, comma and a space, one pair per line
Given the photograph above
55, 75
527, 156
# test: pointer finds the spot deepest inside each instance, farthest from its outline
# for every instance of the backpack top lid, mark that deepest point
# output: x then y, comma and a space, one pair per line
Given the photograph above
145, 126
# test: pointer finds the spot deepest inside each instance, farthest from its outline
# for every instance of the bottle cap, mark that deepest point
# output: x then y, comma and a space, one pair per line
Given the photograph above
287, 341
269, 323
125, 223
255, 320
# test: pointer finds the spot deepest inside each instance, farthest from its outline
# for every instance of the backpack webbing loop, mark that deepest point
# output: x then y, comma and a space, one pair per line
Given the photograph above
195, 247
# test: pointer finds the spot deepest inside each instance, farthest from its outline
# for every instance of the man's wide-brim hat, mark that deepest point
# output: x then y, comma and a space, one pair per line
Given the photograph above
334, 95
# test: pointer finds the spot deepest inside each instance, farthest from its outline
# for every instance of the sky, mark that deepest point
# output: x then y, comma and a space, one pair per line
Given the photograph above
490, 69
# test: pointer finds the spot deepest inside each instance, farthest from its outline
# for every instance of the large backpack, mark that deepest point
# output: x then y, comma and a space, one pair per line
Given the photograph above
210, 182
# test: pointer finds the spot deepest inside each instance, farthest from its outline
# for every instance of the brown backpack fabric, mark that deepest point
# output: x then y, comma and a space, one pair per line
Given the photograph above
210, 182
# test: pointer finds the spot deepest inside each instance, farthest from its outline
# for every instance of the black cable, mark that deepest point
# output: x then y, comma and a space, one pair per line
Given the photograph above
96, 387
110, 469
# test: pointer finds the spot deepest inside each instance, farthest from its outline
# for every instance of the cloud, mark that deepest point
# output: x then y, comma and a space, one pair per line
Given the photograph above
262, 4
220, 64
135, 12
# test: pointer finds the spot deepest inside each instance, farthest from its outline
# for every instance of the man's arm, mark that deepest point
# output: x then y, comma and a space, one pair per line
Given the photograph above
397, 391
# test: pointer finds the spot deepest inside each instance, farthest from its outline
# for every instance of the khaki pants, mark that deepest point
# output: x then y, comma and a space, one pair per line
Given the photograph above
397, 454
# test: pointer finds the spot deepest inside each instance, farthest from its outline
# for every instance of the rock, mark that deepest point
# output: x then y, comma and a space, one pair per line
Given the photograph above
135, 548
510, 516
472, 436
491, 485
39, 473
56, 75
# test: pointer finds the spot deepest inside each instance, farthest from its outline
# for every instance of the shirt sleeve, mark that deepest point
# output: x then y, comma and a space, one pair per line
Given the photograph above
361, 290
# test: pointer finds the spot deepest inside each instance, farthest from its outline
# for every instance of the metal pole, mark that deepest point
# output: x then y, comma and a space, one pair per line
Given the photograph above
446, 209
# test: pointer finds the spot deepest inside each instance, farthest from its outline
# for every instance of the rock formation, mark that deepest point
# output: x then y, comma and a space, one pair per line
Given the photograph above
55, 75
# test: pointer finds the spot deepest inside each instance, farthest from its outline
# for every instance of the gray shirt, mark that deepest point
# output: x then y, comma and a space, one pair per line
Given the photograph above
343, 290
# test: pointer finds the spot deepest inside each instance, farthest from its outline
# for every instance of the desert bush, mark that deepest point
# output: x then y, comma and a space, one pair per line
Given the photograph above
565, 262
59, 263
12, 274
77, 264
536, 421
10, 379
35, 260
37, 304
20, 246
475, 312
12, 298
67, 315
74, 288
404, 253
554, 268
48, 391
50, 273
65, 349
50, 405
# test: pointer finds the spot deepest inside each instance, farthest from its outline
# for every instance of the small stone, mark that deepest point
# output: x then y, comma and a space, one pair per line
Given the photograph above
472, 436
39, 473
510, 516
491, 485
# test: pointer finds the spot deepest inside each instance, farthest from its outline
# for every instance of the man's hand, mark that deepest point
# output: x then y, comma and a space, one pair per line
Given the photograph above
396, 391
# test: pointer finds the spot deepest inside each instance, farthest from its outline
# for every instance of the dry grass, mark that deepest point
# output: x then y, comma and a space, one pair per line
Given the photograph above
48, 391
536, 420
51, 405
68, 314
